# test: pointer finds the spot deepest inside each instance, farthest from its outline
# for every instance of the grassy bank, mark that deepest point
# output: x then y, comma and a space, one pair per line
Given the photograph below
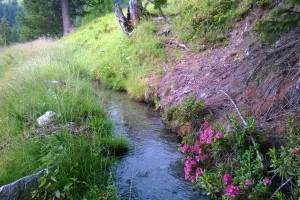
121, 63
56, 78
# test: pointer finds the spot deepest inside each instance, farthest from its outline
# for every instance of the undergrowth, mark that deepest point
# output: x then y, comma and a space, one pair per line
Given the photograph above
281, 19
209, 22
79, 165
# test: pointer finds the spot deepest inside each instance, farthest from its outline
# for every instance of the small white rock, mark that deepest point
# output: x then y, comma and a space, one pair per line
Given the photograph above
46, 119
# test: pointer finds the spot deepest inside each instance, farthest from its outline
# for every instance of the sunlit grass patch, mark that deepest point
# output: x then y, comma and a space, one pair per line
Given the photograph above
122, 63
57, 79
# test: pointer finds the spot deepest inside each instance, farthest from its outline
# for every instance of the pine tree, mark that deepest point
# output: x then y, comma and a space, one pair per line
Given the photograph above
4, 30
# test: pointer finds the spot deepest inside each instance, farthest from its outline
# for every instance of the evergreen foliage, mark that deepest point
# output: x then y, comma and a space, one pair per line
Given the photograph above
10, 10
4, 31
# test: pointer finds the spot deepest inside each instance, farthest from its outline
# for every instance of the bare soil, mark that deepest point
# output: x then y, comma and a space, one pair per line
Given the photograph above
262, 80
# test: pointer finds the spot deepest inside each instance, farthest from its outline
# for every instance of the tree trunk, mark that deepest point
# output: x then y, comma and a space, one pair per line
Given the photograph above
66, 16
135, 11
123, 21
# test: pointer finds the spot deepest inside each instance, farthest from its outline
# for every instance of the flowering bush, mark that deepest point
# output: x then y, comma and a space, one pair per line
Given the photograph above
227, 165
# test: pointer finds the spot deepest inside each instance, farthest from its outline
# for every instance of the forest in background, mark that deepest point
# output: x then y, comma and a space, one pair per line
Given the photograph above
28, 20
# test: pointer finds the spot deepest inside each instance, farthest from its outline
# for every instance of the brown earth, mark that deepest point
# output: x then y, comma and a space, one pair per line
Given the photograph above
261, 80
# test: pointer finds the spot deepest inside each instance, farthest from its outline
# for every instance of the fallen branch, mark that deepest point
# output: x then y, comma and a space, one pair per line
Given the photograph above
280, 187
259, 156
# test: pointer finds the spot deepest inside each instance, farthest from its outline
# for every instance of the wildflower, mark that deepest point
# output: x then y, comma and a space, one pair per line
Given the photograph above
209, 140
294, 151
219, 135
207, 133
266, 181
198, 172
201, 158
248, 182
196, 148
205, 124
232, 191
184, 148
188, 167
227, 178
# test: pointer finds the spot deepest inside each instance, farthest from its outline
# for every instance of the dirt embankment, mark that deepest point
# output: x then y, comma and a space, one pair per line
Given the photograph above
262, 80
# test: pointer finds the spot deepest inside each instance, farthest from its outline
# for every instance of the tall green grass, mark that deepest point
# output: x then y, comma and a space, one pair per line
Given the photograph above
121, 63
57, 79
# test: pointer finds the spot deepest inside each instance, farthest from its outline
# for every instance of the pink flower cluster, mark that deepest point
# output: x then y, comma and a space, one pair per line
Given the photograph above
199, 151
248, 182
208, 136
189, 167
266, 181
227, 178
231, 190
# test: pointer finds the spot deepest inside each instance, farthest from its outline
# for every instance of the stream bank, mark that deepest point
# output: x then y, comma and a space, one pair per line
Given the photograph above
152, 169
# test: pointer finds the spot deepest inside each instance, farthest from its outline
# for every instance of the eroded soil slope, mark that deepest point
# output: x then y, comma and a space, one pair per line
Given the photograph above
262, 80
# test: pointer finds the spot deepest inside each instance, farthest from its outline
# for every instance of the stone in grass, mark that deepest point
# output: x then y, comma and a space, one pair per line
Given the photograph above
22, 188
47, 119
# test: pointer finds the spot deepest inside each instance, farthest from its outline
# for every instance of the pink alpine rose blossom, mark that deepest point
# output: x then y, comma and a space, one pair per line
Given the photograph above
266, 181
184, 148
198, 172
219, 135
205, 124
209, 140
196, 148
248, 182
188, 167
232, 191
227, 178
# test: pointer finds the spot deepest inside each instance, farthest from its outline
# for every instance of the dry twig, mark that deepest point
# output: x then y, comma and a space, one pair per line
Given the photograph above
259, 156
280, 187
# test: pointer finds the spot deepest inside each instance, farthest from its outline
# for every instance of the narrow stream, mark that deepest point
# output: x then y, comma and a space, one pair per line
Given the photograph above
152, 167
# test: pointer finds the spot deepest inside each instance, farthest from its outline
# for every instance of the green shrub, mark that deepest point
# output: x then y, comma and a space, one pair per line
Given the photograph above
190, 110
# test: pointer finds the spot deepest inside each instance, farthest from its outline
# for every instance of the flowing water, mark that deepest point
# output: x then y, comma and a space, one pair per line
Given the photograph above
152, 167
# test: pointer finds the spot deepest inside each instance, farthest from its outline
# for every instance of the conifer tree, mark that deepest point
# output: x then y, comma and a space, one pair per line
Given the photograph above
4, 30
